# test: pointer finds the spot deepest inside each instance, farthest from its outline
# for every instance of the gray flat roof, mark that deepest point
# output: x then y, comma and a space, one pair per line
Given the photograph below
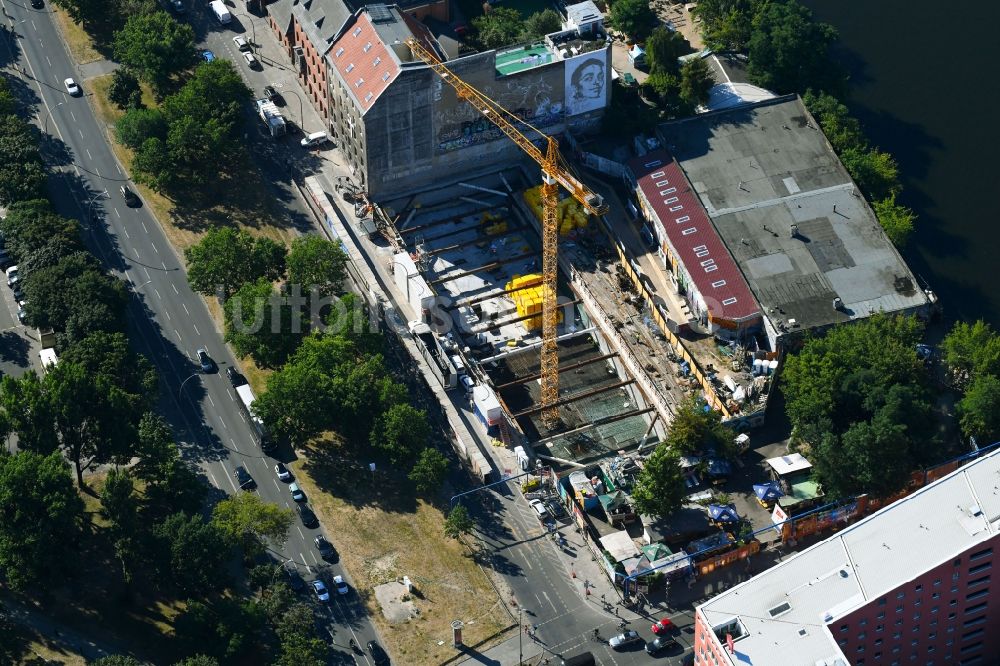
762, 168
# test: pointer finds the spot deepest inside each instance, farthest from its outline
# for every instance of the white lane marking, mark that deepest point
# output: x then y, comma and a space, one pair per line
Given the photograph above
167, 312
163, 265
196, 329
80, 132
212, 476
549, 600
144, 227
231, 482
276, 484
35, 28
146, 271
303, 538
48, 61
184, 305
126, 233
72, 115
242, 417
157, 292
178, 334
88, 154
136, 250
119, 169
230, 394
129, 277
154, 248
178, 294
115, 208
304, 563
213, 403
221, 419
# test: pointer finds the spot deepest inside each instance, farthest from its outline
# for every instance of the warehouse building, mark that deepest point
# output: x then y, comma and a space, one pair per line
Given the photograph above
910, 584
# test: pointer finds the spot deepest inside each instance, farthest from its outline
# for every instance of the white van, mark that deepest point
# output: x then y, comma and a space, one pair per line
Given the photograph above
12, 276
220, 11
48, 358
315, 139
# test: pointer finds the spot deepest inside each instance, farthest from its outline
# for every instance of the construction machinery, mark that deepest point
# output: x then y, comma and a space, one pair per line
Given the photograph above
554, 173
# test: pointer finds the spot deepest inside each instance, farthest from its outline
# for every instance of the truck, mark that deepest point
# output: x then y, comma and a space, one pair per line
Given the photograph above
269, 113
247, 398
220, 11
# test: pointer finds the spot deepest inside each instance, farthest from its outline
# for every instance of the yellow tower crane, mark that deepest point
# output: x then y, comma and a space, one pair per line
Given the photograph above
554, 174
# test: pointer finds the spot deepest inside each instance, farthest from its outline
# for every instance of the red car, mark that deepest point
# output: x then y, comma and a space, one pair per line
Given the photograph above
664, 626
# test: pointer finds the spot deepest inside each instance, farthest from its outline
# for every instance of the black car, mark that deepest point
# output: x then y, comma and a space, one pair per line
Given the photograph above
244, 479
659, 644
235, 378
309, 518
295, 580
205, 361
130, 197
325, 548
378, 654
272, 95
37, 4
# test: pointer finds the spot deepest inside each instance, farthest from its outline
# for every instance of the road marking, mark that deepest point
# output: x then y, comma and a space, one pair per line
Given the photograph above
303, 538
196, 329
212, 476
304, 563
154, 248
118, 168
178, 294
230, 394
549, 600
184, 305
115, 208
146, 271
73, 116
35, 28
144, 227
178, 334
231, 482
48, 61
213, 404
80, 132
167, 312
157, 292
136, 250
163, 265
276, 484
88, 154
126, 233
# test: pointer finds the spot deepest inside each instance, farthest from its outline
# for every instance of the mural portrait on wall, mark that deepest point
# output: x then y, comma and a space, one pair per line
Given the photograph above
586, 83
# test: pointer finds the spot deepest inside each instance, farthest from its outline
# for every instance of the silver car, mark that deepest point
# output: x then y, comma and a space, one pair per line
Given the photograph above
623, 640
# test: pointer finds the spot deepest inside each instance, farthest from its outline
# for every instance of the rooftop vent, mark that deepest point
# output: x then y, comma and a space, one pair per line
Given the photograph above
780, 609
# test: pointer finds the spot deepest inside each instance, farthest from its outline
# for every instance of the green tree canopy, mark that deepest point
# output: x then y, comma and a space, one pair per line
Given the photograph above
32, 225
726, 25
633, 17
401, 433
316, 262
124, 90
128, 377
979, 409
501, 26
215, 91
120, 507
192, 554
841, 129
296, 406
663, 48
263, 324
660, 488
540, 24
41, 518
139, 124
198, 660
696, 428
458, 522
788, 51
225, 259
246, 521
117, 660
22, 172
971, 350
896, 220
429, 472
875, 172
228, 629
171, 486
696, 80
156, 48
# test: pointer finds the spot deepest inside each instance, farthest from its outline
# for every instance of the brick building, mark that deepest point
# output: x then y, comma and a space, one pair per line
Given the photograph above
910, 584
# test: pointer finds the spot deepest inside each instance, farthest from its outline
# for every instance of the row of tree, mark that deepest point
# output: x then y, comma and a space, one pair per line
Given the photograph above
676, 88
972, 354
503, 26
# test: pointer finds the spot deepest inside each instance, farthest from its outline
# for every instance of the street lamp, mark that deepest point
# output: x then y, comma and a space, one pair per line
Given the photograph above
253, 27
181, 389
302, 115
90, 204
48, 114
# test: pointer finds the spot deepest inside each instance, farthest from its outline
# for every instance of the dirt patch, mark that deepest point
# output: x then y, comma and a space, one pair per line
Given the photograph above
396, 603
382, 534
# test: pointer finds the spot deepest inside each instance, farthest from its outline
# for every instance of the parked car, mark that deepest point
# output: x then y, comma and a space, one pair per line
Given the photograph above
623, 640
307, 516
235, 378
659, 644
207, 56
319, 587
22, 312
251, 60
282, 472
324, 547
378, 654
205, 361
37, 4
243, 479
71, 87
538, 506
294, 579
314, 139
338, 582
241, 43
130, 197
297, 494
272, 95
12, 276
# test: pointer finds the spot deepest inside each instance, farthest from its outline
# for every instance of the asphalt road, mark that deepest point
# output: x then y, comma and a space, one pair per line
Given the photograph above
168, 321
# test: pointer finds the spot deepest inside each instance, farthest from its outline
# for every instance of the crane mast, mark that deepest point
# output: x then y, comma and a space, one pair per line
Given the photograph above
554, 174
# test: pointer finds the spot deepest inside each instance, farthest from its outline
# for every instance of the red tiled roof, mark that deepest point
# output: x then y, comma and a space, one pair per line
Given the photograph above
364, 61
686, 224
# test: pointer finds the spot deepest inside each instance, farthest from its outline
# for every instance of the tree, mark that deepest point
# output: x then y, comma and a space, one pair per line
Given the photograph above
971, 350
225, 259
664, 89
139, 124
171, 486
246, 520
228, 629
458, 522
151, 164
124, 89
659, 490
298, 619
117, 660
726, 25
126, 376
120, 507
875, 172
841, 129
871, 457
192, 554
296, 406
27, 412
697, 428
263, 324
696, 80
22, 172
8, 103
303, 650
156, 48
979, 409
401, 433
500, 26
788, 51
633, 17
896, 220
663, 48
198, 660
42, 514
32, 225
540, 24
314, 262
215, 92
429, 472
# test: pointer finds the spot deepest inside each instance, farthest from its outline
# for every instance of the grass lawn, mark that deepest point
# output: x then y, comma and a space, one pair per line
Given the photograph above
24, 646
78, 41
383, 534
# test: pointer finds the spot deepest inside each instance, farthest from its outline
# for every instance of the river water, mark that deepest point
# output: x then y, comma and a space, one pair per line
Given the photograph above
923, 95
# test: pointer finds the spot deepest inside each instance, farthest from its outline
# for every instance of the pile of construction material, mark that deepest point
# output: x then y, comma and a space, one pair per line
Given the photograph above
571, 215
